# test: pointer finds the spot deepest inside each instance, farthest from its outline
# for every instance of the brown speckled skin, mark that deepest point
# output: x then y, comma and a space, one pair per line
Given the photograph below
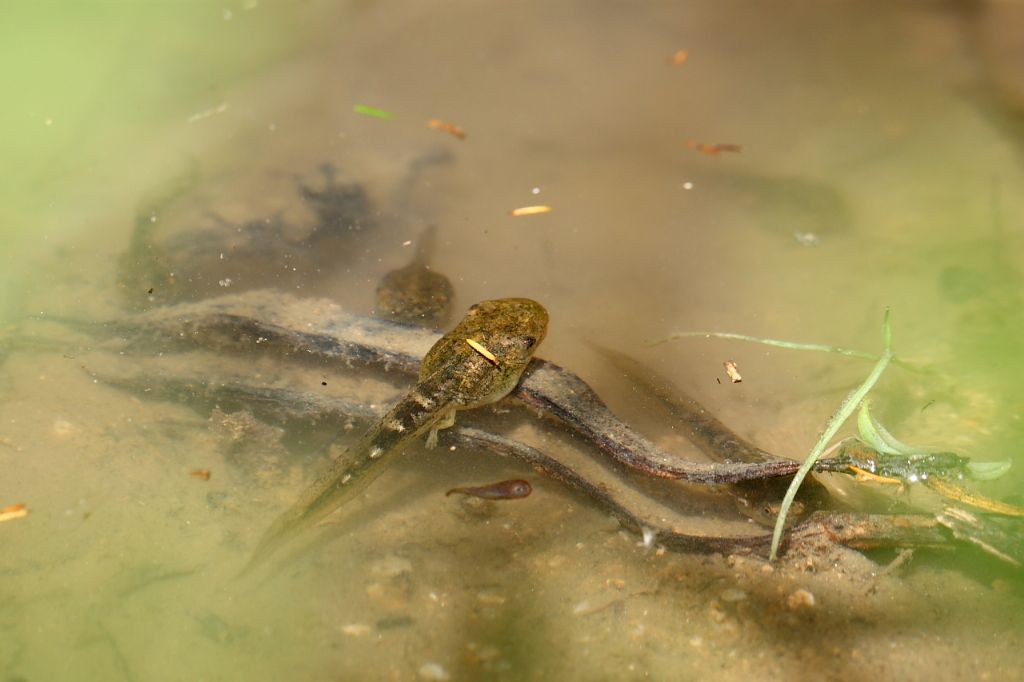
415, 294
453, 376
515, 489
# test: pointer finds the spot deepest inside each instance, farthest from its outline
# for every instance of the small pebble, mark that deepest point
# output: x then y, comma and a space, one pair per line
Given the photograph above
800, 599
434, 671
490, 598
393, 622
807, 238
62, 428
733, 594
715, 611
391, 566
482, 653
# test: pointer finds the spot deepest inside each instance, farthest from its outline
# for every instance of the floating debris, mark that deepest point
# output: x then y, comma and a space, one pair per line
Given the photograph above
356, 629
712, 149
529, 210
13, 511
679, 57
807, 238
452, 129
207, 113
732, 371
201, 474
372, 112
479, 348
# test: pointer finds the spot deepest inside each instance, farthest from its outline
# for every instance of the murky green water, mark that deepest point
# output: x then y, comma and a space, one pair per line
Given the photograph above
881, 157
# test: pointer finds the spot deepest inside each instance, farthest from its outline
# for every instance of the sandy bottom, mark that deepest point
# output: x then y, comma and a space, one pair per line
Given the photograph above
878, 153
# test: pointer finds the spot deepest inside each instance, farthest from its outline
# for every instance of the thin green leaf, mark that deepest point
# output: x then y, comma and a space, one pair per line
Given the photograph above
878, 437
988, 471
867, 431
778, 343
371, 111
792, 345
846, 409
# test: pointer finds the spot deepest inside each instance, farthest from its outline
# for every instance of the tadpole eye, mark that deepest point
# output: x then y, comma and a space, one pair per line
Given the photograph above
530, 341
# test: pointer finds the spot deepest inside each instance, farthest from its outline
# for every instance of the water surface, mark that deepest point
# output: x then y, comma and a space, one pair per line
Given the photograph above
878, 166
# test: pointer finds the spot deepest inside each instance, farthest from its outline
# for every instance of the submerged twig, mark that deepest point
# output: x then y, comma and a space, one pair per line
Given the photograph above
602, 488
320, 332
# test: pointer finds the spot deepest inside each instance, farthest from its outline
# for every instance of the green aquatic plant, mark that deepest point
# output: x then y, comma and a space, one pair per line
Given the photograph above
988, 471
838, 418
793, 345
871, 432
778, 343
372, 112
846, 408
878, 437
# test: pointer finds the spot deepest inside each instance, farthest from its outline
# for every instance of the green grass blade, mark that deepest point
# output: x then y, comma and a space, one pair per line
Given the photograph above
778, 343
877, 436
988, 471
372, 112
848, 406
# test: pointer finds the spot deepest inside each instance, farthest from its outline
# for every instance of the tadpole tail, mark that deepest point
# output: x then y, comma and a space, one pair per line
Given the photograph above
347, 476
344, 480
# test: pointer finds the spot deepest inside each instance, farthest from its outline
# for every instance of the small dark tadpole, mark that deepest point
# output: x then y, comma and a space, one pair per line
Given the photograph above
502, 490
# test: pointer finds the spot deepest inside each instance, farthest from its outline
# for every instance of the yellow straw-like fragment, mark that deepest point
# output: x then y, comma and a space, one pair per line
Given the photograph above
14, 511
478, 347
529, 210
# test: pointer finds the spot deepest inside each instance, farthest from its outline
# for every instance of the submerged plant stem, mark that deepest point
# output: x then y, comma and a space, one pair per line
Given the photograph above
779, 343
794, 345
849, 404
